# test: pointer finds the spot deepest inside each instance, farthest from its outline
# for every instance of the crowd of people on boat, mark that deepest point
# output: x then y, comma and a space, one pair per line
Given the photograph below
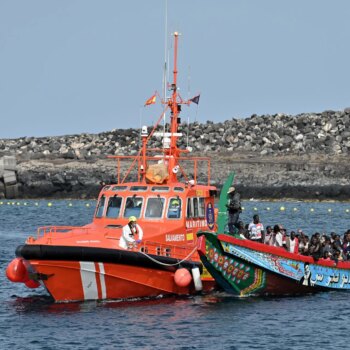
319, 246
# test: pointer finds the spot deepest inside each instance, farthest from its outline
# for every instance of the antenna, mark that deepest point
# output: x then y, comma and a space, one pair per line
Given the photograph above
188, 97
165, 82
165, 51
140, 117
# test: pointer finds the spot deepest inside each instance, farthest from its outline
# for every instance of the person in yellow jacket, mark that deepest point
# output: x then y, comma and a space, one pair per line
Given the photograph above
131, 235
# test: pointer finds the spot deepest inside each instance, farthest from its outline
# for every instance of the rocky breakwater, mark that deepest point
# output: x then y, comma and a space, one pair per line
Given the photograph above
301, 156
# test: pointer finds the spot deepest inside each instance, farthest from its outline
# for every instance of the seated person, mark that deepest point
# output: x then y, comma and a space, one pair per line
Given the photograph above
268, 234
174, 211
242, 231
315, 247
304, 245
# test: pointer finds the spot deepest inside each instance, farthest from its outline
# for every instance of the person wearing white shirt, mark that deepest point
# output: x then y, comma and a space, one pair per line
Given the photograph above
276, 239
131, 235
256, 229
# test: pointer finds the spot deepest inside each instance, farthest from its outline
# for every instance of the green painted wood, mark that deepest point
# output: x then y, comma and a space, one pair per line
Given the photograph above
234, 275
222, 214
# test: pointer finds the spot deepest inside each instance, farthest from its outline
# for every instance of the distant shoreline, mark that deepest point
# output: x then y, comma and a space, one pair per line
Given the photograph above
305, 157
4, 201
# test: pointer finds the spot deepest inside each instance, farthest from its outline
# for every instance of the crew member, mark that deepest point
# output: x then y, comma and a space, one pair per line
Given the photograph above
132, 234
174, 209
233, 207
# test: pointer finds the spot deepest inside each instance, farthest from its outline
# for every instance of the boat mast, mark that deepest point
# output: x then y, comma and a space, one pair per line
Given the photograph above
165, 83
174, 119
171, 152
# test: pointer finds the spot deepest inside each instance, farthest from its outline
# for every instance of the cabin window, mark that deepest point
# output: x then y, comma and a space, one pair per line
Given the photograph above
119, 188
133, 206
179, 189
201, 208
138, 188
154, 208
160, 189
100, 206
113, 208
174, 209
195, 207
189, 213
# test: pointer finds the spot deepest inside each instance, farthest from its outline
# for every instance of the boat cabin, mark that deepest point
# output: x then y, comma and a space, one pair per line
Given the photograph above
178, 206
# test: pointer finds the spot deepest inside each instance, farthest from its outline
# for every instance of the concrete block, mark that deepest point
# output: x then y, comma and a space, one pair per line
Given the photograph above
9, 177
11, 191
10, 163
1, 168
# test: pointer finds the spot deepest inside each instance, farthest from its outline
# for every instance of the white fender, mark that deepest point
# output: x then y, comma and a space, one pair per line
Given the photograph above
197, 279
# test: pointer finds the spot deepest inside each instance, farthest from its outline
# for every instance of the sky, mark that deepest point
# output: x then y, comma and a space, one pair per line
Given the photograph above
88, 66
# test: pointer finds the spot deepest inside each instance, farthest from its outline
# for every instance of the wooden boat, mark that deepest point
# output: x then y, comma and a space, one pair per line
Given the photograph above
87, 263
246, 268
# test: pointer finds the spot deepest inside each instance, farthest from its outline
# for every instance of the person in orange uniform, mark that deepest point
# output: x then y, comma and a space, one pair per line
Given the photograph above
132, 234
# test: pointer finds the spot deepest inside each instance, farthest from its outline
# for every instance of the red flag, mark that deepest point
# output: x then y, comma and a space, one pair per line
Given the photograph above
151, 100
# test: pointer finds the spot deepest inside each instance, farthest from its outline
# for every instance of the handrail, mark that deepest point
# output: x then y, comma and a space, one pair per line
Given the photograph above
147, 247
163, 249
133, 166
49, 230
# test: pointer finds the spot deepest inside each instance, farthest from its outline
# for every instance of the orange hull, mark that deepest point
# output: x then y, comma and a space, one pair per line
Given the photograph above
78, 281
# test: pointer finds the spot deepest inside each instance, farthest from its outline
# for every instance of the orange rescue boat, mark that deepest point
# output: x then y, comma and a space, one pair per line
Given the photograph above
170, 207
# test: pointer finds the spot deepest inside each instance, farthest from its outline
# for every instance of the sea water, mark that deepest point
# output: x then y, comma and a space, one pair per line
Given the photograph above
30, 320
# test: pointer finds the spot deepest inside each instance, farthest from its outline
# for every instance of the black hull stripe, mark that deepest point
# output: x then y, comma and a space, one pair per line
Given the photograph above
116, 256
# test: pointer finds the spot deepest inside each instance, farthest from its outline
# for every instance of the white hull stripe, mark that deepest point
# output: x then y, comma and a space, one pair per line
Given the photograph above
102, 280
88, 280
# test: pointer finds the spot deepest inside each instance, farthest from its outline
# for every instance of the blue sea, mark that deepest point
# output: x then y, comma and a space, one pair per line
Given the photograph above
30, 320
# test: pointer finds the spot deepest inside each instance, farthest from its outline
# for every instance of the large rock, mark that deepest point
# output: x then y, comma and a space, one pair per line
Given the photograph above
11, 191
9, 177
9, 163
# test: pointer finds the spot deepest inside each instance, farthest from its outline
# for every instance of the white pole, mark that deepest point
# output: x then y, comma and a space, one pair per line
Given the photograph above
140, 116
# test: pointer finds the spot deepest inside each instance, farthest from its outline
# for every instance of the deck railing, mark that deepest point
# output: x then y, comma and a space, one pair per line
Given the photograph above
136, 166
50, 230
146, 247
166, 250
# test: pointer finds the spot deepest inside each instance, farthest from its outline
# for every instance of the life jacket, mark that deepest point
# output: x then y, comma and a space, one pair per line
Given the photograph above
133, 230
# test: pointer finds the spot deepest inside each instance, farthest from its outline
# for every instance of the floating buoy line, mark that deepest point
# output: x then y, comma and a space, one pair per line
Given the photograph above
76, 203
296, 209
41, 203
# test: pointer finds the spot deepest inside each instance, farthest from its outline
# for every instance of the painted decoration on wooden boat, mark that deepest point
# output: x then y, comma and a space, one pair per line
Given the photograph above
243, 277
307, 274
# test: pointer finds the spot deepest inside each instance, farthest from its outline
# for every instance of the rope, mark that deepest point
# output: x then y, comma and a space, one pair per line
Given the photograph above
164, 264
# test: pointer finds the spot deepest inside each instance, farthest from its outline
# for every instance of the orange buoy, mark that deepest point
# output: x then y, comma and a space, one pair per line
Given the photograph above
16, 271
32, 284
182, 277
